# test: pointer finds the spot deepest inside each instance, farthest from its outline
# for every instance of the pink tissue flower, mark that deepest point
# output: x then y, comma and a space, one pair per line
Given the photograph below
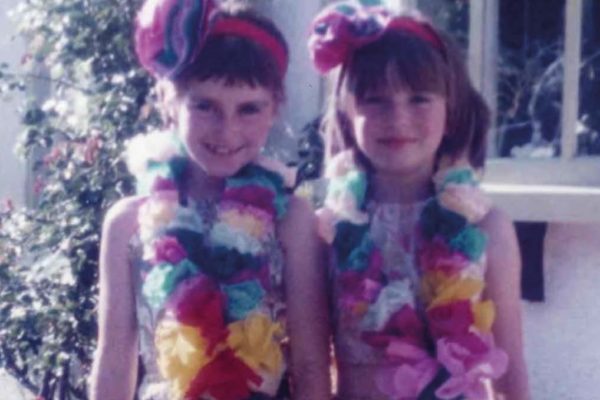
451, 319
409, 379
470, 359
168, 250
437, 256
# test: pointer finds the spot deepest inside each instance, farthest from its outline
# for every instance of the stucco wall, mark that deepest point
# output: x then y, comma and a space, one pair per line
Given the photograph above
12, 171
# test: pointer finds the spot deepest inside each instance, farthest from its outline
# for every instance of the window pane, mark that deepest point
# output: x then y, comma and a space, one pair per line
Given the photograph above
450, 15
530, 78
588, 130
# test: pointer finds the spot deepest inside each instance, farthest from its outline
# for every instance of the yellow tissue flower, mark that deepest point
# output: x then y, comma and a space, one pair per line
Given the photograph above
181, 354
454, 289
484, 314
256, 341
255, 225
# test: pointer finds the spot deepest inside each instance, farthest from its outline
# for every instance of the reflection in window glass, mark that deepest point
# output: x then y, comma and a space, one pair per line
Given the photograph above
452, 16
530, 76
588, 129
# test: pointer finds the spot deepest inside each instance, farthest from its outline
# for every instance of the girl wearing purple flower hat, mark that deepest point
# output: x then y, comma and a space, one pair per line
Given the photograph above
424, 271
192, 270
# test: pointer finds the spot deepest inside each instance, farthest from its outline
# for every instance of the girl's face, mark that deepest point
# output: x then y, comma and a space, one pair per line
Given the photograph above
224, 127
398, 129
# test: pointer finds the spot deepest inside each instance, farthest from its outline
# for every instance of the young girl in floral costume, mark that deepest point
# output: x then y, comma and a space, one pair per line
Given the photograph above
192, 269
424, 272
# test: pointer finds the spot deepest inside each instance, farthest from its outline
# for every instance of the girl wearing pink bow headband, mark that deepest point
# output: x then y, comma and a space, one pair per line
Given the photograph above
424, 271
210, 274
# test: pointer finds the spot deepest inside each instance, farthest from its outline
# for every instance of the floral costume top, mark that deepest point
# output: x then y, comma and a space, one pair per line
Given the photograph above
393, 229
208, 280
410, 319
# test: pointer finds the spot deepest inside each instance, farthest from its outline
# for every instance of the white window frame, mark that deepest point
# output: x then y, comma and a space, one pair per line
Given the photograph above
568, 168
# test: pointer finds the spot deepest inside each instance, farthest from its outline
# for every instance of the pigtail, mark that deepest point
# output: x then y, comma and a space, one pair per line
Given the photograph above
468, 114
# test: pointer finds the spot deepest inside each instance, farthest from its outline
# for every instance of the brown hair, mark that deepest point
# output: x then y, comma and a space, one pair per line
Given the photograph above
402, 59
237, 59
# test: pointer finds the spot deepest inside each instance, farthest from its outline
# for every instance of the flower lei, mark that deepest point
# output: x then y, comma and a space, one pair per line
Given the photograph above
451, 346
218, 336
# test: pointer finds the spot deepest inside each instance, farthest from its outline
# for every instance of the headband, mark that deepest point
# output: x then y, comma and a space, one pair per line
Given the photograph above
169, 34
346, 26
245, 29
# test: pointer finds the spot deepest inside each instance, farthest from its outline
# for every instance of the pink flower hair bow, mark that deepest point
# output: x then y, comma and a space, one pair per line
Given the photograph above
169, 33
346, 26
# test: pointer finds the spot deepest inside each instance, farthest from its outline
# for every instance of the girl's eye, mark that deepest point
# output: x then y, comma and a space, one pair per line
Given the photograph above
420, 99
249, 109
204, 106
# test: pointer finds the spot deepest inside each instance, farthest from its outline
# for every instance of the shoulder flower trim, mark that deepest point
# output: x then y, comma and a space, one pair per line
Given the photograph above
451, 263
215, 338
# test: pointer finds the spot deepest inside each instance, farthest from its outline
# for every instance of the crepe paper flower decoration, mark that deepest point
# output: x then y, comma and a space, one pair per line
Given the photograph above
435, 255
255, 340
254, 196
253, 221
155, 146
155, 215
225, 235
226, 377
163, 279
168, 250
468, 201
352, 246
169, 34
457, 289
198, 302
414, 372
405, 324
463, 175
243, 298
203, 276
392, 297
181, 354
451, 319
471, 241
470, 360
484, 314
153, 287
451, 264
437, 221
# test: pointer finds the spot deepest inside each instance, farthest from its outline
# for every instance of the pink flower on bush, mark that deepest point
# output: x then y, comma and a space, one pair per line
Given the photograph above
168, 250
470, 359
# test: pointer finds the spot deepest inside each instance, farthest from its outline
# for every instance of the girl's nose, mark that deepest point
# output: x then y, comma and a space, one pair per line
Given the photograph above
399, 115
229, 127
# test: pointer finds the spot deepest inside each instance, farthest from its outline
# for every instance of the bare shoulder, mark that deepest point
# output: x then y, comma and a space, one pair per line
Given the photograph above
121, 218
503, 248
497, 224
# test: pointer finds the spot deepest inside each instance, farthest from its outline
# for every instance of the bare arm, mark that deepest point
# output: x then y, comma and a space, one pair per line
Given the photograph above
503, 287
306, 297
115, 362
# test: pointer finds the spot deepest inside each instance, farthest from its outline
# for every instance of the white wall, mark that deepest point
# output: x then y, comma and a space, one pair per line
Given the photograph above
561, 334
12, 170
303, 84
